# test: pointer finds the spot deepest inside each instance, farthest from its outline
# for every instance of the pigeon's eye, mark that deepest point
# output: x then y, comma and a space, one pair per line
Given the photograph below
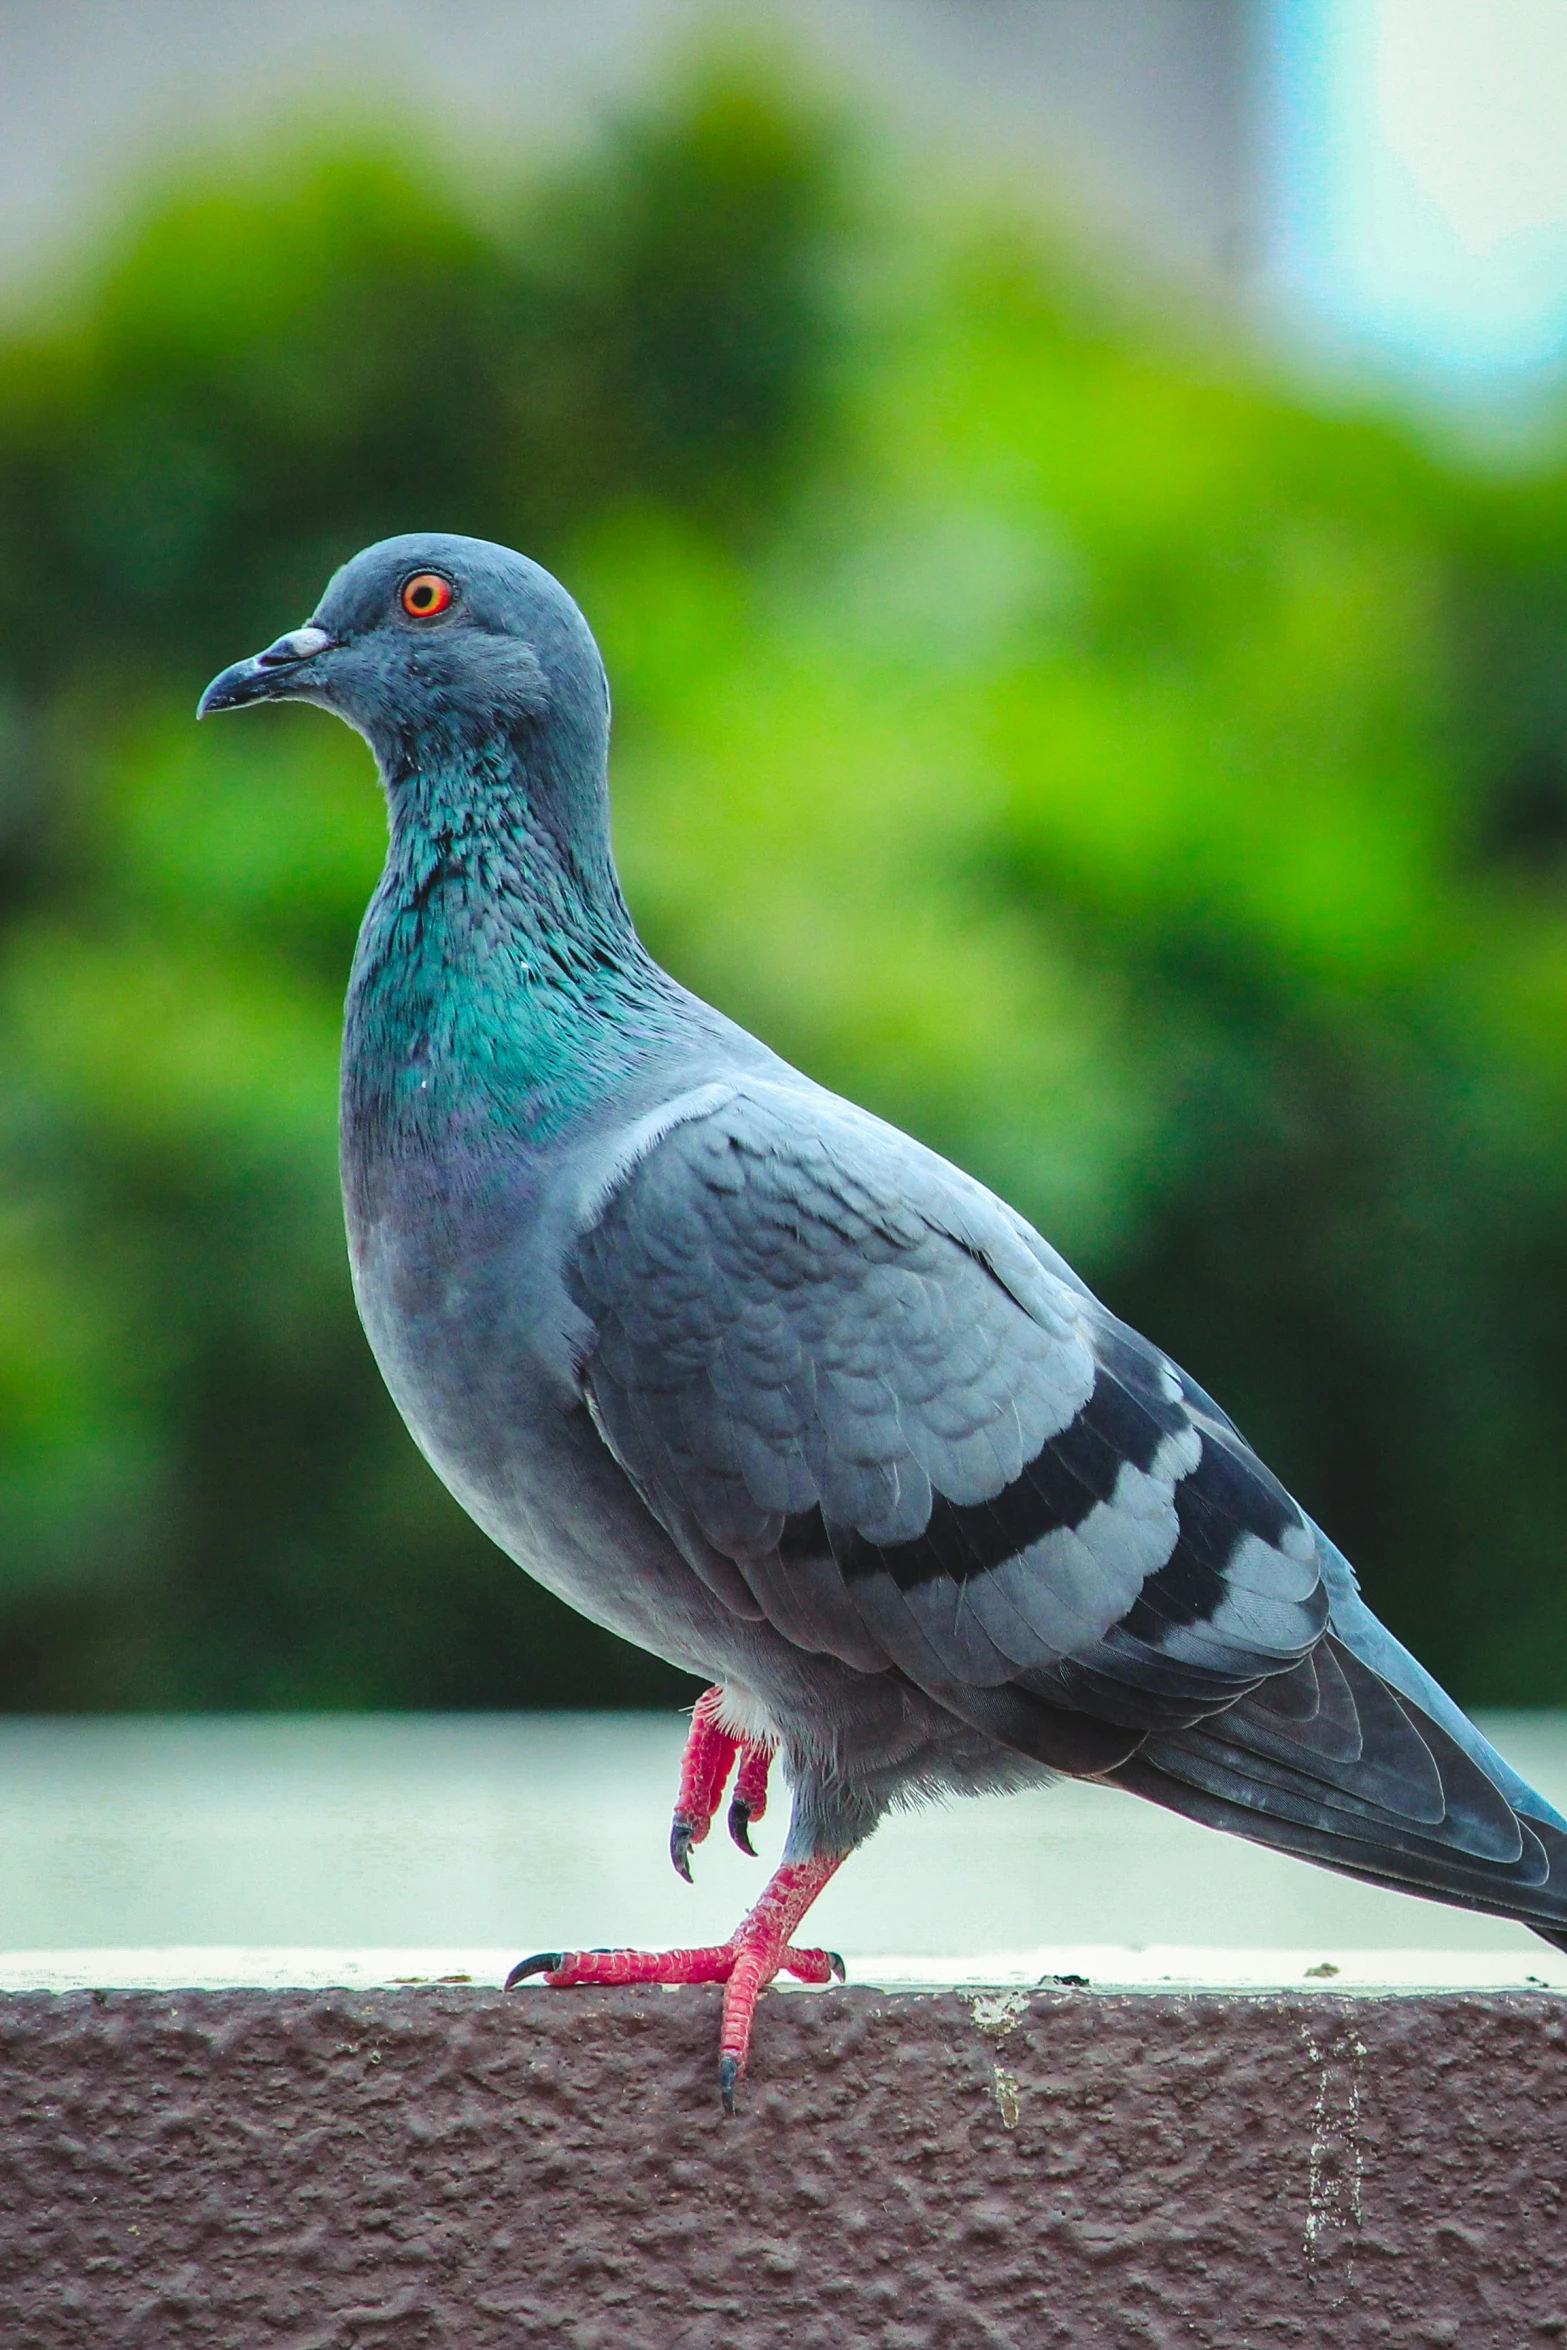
425, 594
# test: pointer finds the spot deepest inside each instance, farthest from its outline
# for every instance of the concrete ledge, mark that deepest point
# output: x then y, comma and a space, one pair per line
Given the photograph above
443, 2168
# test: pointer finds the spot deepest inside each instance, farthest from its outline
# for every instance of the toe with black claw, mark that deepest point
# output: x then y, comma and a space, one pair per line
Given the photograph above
543, 1962
740, 1827
728, 2076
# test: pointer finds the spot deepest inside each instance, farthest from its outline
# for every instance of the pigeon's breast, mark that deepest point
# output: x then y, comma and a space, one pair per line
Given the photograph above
456, 1269
452, 1280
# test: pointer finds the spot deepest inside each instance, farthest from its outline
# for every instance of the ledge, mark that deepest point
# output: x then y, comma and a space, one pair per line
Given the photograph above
1101, 1966
439, 2167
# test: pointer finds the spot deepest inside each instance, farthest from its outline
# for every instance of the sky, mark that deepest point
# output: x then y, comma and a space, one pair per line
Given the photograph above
1422, 181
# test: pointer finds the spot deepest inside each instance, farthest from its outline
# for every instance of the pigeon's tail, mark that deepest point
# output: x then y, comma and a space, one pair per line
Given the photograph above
1358, 1760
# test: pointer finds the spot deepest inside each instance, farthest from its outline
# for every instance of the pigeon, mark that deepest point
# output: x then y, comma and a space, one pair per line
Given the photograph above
767, 1387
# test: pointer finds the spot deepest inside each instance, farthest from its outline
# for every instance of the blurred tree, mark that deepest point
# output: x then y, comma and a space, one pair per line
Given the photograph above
1069, 743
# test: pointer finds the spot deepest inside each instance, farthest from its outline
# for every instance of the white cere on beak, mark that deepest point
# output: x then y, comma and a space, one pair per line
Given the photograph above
298, 645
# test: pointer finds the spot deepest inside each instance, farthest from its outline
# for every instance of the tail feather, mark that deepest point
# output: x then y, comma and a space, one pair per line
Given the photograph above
1543, 1906
1359, 1761
1360, 1631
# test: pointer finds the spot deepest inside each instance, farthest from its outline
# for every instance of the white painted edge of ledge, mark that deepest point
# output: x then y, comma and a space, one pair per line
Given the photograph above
1101, 1966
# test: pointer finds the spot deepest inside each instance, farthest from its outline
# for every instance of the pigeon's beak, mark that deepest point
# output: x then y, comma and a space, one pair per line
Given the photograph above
269, 676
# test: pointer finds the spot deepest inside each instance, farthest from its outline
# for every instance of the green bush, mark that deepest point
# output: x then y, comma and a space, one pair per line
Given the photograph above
1150, 790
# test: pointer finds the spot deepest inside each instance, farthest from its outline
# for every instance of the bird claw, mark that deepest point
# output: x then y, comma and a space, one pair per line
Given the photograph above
757, 1952
760, 1948
543, 1962
739, 1826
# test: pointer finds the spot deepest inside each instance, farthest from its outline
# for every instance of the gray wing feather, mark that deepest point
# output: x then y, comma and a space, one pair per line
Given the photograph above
830, 1358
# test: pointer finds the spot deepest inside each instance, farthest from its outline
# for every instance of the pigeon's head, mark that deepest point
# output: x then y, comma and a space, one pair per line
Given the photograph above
430, 640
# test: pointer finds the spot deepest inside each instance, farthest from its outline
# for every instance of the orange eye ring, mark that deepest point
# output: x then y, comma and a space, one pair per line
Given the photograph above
425, 595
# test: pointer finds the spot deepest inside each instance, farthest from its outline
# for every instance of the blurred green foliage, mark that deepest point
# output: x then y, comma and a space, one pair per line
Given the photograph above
1151, 790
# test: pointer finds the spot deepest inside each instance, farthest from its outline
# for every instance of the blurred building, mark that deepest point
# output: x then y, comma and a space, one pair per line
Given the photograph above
1139, 116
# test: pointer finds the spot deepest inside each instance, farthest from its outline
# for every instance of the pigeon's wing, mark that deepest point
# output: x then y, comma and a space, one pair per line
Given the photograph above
875, 1409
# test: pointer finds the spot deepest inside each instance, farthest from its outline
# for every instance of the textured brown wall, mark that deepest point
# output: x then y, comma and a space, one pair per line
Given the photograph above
446, 2167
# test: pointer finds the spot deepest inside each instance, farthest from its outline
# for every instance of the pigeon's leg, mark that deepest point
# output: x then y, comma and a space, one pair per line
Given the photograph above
704, 1773
758, 1950
762, 1946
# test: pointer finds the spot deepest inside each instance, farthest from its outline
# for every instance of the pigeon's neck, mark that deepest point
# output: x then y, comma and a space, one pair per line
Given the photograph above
499, 989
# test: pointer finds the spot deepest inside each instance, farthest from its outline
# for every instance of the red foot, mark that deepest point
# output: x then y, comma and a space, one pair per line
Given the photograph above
704, 1773
758, 1949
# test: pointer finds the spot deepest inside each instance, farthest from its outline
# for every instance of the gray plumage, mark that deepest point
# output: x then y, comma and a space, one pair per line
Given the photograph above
772, 1390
